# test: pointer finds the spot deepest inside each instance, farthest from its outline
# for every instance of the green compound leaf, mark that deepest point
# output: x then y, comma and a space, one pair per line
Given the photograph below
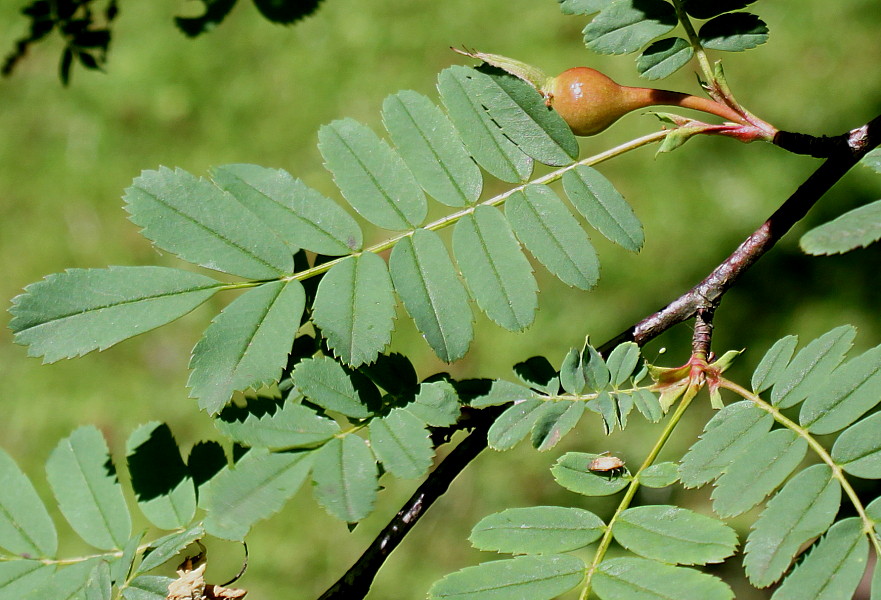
460, 88
733, 32
571, 472
582, 7
603, 206
498, 274
432, 149
622, 362
858, 448
522, 114
514, 424
247, 344
147, 587
854, 229
537, 530
83, 480
355, 308
660, 475
546, 227
275, 426
811, 366
427, 283
503, 392
556, 420
328, 384
773, 363
345, 478
802, 510
255, 488
162, 484
19, 577
199, 222
299, 215
851, 391
726, 436
436, 404
521, 578
69, 314
707, 9
664, 57
25, 526
625, 26
833, 568
756, 472
402, 444
642, 579
372, 176
674, 535
165, 548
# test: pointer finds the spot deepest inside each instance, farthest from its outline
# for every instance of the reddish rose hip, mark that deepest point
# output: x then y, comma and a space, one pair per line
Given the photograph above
589, 101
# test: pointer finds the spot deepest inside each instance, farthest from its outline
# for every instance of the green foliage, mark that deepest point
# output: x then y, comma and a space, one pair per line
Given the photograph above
307, 333
628, 26
251, 222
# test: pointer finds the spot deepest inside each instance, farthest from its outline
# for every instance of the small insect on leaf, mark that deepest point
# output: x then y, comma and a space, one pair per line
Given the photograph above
605, 464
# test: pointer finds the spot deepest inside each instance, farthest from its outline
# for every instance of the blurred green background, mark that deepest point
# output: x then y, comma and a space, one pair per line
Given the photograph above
251, 91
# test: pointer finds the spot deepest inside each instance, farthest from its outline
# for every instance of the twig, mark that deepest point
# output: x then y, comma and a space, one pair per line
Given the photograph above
860, 142
355, 584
